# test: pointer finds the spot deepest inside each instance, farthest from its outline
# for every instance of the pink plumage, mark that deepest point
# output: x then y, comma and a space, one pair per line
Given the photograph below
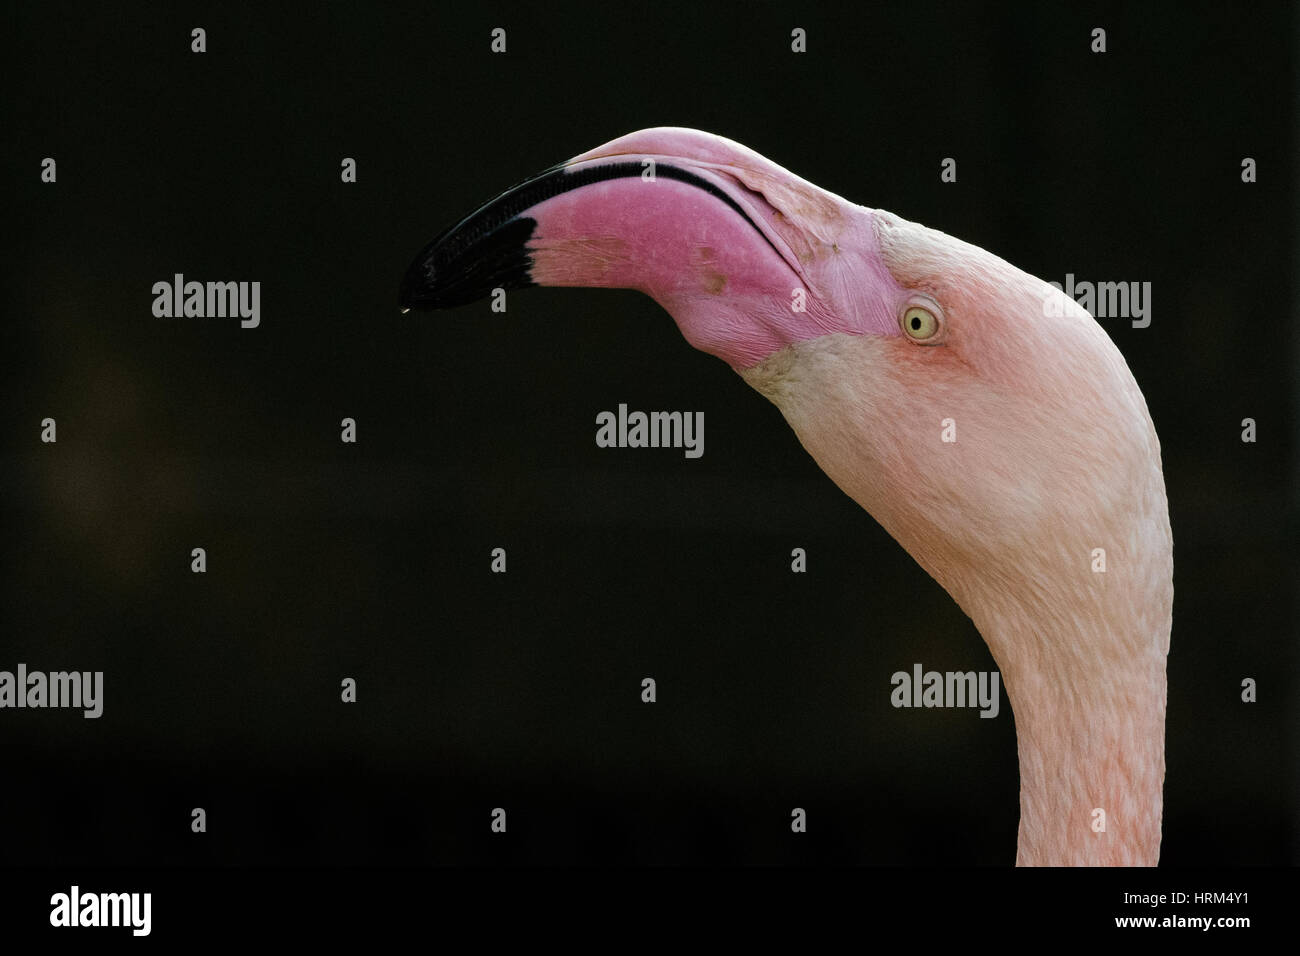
880, 340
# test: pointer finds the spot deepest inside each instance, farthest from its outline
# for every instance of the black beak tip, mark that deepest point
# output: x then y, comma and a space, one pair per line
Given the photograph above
468, 262
424, 282
415, 283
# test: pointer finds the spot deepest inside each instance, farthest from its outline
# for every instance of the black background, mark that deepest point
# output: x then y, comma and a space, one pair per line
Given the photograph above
476, 430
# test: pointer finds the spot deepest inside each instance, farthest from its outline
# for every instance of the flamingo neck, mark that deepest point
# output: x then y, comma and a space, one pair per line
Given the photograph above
1081, 645
1090, 718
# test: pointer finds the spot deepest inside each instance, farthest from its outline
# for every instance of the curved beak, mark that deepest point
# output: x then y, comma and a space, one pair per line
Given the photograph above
720, 236
617, 216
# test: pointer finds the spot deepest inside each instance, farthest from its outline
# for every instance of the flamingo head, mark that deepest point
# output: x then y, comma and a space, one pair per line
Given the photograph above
973, 409
979, 414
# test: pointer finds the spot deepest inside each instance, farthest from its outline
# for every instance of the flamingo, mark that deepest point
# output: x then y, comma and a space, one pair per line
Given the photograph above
980, 415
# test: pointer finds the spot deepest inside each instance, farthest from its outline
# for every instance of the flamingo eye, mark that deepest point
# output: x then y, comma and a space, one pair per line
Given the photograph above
919, 323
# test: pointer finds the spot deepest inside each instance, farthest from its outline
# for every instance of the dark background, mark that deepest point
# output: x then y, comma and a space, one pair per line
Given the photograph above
371, 560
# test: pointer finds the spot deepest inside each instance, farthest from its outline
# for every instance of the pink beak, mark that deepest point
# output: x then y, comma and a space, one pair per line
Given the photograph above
681, 215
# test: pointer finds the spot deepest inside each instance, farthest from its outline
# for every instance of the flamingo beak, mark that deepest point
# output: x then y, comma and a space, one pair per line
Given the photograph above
598, 222
735, 248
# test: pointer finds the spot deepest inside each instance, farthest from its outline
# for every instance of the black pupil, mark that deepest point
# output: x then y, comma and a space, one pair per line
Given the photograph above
916, 322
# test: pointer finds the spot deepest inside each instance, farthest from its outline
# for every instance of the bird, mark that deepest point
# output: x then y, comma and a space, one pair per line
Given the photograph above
979, 414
